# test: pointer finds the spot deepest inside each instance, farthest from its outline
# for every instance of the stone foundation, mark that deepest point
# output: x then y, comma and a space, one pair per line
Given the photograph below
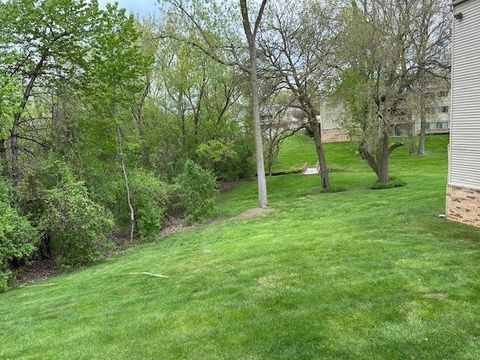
334, 135
463, 205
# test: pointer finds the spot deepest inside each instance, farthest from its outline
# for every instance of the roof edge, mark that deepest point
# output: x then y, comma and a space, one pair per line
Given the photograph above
458, 2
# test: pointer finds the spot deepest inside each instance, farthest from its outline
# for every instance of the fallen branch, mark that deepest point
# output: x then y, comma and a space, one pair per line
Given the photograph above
147, 273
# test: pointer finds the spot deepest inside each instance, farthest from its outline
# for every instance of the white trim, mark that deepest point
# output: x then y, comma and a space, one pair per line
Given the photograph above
449, 155
472, 187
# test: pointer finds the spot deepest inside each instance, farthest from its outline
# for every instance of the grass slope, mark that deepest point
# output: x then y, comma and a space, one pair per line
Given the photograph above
362, 274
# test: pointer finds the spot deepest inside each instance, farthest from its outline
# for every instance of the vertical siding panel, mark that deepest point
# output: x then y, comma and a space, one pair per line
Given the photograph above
465, 108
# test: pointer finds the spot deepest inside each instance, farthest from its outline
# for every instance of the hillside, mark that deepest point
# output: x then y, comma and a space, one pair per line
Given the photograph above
360, 274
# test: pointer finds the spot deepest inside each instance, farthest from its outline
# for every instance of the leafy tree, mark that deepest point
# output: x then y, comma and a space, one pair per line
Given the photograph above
43, 44
115, 81
216, 155
373, 83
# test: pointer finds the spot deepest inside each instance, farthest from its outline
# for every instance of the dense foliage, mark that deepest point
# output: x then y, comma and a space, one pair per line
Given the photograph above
98, 121
196, 188
17, 236
110, 125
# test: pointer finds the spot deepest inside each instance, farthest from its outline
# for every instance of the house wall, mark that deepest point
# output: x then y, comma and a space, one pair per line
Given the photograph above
463, 194
330, 119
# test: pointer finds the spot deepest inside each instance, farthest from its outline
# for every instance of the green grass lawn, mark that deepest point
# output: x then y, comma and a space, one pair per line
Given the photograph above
360, 274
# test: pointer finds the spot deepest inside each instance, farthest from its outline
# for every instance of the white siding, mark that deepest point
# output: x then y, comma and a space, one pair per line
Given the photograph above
465, 108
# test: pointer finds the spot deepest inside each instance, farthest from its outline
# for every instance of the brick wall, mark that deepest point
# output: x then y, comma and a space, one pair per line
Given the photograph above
334, 135
463, 205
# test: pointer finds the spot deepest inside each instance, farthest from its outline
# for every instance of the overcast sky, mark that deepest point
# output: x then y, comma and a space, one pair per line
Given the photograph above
141, 7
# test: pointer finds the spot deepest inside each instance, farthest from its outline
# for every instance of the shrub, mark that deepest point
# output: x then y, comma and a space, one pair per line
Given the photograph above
17, 237
196, 189
79, 227
216, 155
150, 201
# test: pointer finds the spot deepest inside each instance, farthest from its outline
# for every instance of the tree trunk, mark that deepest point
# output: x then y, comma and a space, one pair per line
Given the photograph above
317, 137
382, 156
125, 178
423, 126
14, 153
3, 158
257, 128
270, 163
411, 136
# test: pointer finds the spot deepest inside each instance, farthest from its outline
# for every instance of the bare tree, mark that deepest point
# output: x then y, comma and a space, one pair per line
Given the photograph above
431, 29
297, 43
278, 126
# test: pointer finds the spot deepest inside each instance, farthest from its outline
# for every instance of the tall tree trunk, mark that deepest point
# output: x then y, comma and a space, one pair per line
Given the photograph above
270, 158
423, 127
181, 114
411, 136
423, 110
382, 156
317, 138
257, 129
127, 185
251, 34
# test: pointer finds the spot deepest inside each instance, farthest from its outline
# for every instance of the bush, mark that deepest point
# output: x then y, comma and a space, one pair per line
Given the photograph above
150, 201
227, 159
216, 155
196, 189
17, 237
77, 227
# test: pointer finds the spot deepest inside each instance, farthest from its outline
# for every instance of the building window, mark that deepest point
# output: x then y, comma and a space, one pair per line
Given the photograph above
442, 125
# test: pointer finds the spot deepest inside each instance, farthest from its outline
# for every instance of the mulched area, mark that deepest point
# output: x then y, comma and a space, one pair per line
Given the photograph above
38, 270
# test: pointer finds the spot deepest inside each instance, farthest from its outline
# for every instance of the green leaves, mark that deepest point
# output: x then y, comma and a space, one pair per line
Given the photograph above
196, 188
17, 236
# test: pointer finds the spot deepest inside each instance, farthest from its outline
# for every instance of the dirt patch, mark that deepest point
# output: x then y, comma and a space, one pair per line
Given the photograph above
175, 225
172, 226
255, 212
38, 270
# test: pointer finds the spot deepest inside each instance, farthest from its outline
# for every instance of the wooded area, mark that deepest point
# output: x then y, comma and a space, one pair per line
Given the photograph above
110, 124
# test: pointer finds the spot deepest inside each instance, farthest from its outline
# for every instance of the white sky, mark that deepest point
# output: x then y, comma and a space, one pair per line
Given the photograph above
141, 7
